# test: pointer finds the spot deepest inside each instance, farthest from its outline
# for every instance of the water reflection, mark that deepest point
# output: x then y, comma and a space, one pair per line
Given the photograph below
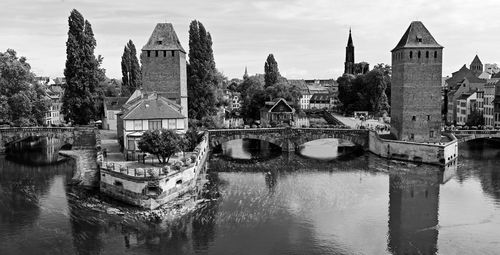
35, 151
250, 149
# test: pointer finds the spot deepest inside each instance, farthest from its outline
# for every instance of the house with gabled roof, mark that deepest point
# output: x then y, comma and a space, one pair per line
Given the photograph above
112, 106
277, 113
151, 111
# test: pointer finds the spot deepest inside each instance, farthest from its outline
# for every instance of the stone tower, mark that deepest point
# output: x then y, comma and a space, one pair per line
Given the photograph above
476, 66
164, 66
349, 56
416, 86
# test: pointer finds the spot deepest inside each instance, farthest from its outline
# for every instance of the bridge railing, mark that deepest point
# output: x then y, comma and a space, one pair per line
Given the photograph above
475, 132
35, 129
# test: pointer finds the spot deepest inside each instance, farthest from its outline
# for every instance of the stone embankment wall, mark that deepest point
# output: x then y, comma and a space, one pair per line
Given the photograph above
150, 187
88, 162
442, 154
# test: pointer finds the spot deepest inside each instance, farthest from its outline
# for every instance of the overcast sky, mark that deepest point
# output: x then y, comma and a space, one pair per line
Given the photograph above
307, 37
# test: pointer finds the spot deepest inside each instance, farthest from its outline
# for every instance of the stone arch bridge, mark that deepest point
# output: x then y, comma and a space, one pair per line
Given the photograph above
289, 139
77, 137
468, 135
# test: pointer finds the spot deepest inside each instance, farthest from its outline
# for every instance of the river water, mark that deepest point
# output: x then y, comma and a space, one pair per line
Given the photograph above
320, 202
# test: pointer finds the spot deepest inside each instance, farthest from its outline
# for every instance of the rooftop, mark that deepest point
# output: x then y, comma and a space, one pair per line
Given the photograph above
154, 107
164, 38
417, 36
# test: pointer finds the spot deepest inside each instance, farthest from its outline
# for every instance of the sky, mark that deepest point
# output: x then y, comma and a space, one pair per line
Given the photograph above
307, 37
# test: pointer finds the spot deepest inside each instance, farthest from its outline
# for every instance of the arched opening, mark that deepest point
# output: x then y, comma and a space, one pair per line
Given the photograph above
435, 54
411, 54
329, 149
418, 54
427, 54
248, 149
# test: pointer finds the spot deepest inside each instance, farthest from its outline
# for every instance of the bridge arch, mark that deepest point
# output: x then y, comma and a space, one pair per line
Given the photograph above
216, 141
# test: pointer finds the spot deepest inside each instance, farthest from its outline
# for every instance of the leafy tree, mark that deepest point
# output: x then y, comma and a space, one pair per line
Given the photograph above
22, 102
271, 72
82, 72
131, 70
376, 85
191, 138
475, 118
162, 143
387, 70
201, 73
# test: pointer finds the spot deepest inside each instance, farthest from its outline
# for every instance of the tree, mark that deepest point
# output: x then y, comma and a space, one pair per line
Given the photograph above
131, 70
387, 70
163, 143
191, 138
201, 73
271, 72
22, 102
475, 118
82, 72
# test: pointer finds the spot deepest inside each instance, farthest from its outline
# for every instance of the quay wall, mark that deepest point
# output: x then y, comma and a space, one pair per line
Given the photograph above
432, 153
150, 187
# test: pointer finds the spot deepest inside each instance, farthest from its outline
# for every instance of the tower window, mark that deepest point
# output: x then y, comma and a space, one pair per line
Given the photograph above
435, 54
149, 53
172, 53
411, 54
414, 118
164, 53
427, 54
418, 54
156, 53
412, 136
431, 133
159, 42
419, 38
428, 117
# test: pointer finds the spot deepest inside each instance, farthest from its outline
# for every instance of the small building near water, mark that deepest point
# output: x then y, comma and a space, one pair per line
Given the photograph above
277, 113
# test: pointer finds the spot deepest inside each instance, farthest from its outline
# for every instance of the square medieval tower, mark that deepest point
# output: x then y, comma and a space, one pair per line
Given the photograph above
164, 66
416, 86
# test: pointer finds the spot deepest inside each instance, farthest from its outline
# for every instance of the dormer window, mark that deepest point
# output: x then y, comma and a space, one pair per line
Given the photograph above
159, 42
419, 38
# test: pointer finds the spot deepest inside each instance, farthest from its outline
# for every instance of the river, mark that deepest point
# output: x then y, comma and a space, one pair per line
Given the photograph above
323, 201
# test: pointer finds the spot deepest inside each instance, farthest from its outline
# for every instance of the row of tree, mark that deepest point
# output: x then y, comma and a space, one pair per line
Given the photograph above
22, 101
366, 92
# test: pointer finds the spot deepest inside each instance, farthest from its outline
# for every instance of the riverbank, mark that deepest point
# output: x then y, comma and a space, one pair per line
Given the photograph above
87, 170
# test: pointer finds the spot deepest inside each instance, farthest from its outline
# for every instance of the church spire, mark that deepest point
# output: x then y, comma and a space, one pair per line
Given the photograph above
349, 56
245, 76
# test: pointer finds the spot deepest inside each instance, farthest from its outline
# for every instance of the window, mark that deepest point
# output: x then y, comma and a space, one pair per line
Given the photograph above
173, 53
414, 118
159, 42
156, 53
411, 54
164, 53
428, 117
131, 144
431, 133
412, 136
172, 124
137, 124
178, 182
118, 183
154, 124
435, 54
427, 54
149, 53
418, 54
419, 38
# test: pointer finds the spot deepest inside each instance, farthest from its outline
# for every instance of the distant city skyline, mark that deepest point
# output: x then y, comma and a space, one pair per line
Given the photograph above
307, 37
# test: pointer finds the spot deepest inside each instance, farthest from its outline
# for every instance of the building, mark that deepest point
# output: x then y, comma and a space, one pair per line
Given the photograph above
350, 67
496, 107
462, 81
149, 112
323, 101
476, 66
490, 89
465, 104
491, 68
416, 86
54, 116
235, 100
164, 66
277, 113
112, 106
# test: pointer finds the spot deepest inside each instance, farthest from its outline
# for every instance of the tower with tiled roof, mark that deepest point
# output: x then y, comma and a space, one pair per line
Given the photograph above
476, 66
164, 66
416, 86
349, 64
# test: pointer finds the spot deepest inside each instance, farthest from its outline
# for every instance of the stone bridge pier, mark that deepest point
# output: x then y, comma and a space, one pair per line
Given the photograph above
288, 139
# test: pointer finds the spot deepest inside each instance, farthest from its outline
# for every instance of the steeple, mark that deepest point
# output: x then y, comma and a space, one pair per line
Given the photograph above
349, 56
349, 41
476, 66
245, 76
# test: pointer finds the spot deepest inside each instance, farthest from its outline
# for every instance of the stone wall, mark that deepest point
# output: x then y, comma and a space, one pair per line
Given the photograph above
438, 154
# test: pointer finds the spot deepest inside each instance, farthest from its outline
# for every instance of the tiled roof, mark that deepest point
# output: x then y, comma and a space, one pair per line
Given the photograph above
115, 103
163, 38
153, 108
476, 60
417, 36
269, 105
319, 97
